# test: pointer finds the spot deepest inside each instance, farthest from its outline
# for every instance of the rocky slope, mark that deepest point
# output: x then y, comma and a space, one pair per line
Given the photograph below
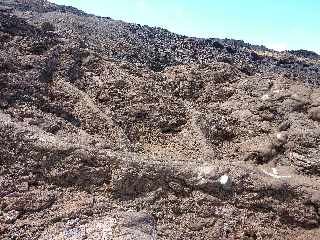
111, 130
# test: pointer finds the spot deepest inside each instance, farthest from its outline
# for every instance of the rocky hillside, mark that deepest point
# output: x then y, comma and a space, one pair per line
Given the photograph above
110, 130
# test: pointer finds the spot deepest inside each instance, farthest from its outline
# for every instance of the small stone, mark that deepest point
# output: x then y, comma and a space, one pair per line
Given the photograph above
266, 150
265, 97
284, 126
279, 139
314, 113
11, 216
225, 182
282, 137
275, 171
267, 116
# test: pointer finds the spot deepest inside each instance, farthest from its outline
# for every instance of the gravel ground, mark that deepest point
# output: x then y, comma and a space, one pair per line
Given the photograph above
110, 130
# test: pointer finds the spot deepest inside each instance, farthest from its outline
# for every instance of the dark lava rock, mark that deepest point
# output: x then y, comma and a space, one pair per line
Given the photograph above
111, 130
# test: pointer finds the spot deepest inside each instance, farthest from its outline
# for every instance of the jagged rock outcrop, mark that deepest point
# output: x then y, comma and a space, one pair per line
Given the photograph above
110, 130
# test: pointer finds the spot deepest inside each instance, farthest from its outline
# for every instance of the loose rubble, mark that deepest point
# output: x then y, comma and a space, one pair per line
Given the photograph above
111, 130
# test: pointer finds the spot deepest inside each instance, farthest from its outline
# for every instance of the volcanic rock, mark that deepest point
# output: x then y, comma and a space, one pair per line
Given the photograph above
111, 130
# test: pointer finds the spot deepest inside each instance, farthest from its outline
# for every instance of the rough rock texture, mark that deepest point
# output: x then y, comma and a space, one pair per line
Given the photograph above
111, 130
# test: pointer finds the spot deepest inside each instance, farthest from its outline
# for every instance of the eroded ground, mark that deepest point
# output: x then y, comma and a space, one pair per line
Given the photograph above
94, 147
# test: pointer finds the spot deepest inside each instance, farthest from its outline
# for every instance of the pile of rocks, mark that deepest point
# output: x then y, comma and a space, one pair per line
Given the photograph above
110, 130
